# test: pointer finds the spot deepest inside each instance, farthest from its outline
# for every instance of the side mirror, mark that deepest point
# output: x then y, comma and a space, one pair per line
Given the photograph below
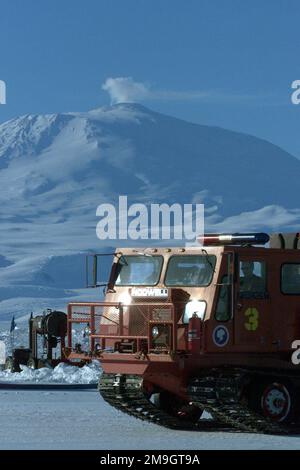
91, 279
93, 270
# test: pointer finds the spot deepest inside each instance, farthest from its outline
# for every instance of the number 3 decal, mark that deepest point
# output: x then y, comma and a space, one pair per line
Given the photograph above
253, 317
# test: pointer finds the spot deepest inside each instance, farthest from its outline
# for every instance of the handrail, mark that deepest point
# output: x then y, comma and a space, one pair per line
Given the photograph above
89, 317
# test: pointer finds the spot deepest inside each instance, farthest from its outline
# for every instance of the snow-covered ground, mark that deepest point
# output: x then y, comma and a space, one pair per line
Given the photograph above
82, 420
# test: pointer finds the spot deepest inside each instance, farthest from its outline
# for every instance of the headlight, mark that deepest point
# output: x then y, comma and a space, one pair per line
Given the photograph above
161, 336
155, 332
194, 306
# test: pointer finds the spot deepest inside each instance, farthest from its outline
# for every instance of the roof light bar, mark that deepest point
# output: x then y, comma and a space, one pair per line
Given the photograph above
234, 239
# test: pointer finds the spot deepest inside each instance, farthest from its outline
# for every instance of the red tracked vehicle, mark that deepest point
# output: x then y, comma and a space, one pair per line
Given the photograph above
212, 328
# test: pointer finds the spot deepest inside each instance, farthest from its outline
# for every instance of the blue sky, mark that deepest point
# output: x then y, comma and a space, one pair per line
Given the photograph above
226, 63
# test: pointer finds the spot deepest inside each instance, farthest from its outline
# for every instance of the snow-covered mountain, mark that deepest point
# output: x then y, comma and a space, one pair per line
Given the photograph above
56, 169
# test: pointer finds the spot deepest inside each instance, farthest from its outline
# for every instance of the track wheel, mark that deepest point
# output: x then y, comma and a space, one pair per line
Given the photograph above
32, 363
11, 365
276, 400
174, 406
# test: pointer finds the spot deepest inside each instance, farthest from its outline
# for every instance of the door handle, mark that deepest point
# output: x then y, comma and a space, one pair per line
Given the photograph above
239, 306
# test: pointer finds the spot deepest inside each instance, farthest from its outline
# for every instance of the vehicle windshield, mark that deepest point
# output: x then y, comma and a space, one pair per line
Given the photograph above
139, 270
190, 270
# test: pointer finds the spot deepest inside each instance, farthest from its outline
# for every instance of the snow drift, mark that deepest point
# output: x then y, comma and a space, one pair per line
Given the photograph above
61, 374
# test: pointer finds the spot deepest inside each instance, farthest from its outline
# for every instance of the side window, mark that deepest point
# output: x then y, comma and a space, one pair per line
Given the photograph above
253, 279
223, 310
290, 278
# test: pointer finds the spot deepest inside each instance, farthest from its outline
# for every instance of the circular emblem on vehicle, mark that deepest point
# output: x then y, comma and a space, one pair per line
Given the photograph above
220, 336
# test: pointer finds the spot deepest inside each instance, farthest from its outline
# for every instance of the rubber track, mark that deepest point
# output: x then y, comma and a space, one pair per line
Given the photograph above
124, 392
219, 396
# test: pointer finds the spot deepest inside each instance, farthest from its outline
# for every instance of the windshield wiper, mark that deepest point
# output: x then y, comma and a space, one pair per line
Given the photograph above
208, 260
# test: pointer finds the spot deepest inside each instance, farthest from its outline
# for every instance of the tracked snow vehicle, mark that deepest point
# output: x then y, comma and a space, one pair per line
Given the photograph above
212, 328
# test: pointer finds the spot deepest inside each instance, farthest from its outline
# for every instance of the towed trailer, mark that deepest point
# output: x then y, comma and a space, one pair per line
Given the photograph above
53, 339
51, 329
